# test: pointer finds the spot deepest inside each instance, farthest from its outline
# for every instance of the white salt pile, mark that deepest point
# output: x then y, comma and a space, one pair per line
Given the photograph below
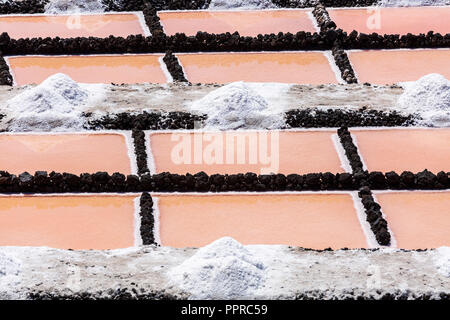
429, 97
238, 106
54, 105
222, 270
412, 3
74, 6
241, 4
442, 260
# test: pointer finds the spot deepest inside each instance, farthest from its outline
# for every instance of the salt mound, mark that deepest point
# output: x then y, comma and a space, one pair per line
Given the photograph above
412, 3
237, 106
429, 97
241, 4
50, 106
74, 6
222, 270
442, 260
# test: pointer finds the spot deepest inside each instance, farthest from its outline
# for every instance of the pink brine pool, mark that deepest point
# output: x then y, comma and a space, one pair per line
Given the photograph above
404, 149
418, 220
231, 152
247, 23
72, 153
402, 21
307, 220
392, 66
135, 68
68, 222
72, 26
286, 67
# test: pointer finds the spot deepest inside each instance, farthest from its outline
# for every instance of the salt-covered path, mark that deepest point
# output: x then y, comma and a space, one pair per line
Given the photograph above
178, 97
292, 273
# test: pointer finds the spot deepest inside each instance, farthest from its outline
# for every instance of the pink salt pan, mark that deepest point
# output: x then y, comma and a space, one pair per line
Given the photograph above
285, 67
308, 220
89, 69
68, 222
418, 220
71, 26
72, 153
234, 152
392, 66
404, 149
247, 23
401, 21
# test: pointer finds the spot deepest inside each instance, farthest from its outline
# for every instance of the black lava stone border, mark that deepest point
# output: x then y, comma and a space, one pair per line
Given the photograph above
355, 40
177, 43
334, 118
351, 151
136, 5
395, 295
323, 19
134, 294
145, 121
344, 65
140, 151
147, 219
174, 67
298, 118
43, 182
110, 294
375, 218
23, 7
206, 42
5, 75
102, 182
152, 20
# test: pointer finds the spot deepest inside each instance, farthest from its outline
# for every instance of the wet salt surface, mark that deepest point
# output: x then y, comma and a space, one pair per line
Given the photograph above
179, 96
